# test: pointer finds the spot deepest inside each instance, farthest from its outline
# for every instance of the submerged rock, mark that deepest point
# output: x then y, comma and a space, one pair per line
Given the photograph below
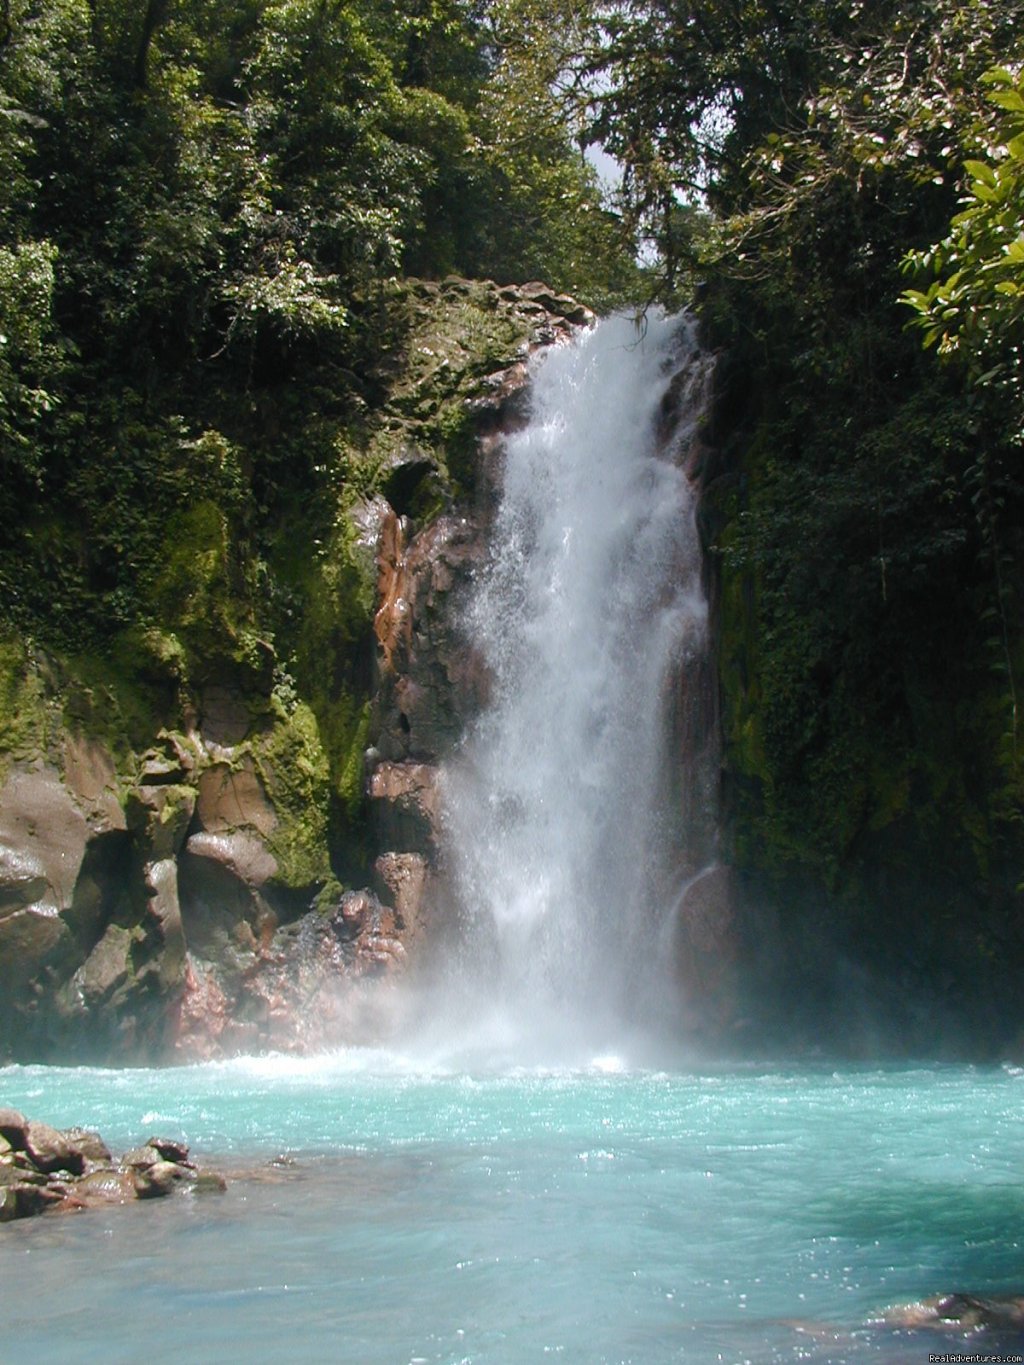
970, 1312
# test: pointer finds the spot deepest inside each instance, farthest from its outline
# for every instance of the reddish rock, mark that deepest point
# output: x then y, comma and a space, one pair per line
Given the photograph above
49, 1151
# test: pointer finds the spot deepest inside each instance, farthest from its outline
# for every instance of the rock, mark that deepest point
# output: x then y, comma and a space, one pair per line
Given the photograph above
23, 1172
431, 679
90, 774
13, 1127
405, 807
209, 1182
169, 1149
49, 1151
89, 1145
233, 798
161, 883
202, 1016
108, 966
14, 1175
971, 1312
224, 716
137, 1158
43, 837
153, 1182
106, 1185
24, 1201
158, 818
401, 881
28, 1185
406, 470
241, 854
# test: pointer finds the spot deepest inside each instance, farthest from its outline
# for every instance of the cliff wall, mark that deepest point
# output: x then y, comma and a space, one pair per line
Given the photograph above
217, 826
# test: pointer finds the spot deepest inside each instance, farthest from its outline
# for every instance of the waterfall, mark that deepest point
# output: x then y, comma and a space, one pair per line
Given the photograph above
570, 830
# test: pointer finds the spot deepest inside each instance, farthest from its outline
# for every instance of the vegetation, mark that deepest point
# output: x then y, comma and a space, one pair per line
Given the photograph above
206, 210
789, 158
210, 213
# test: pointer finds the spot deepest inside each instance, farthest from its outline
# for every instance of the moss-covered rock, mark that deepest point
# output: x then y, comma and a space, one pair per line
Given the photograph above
204, 724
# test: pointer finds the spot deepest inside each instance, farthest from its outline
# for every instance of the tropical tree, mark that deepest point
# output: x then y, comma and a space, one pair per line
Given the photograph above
974, 307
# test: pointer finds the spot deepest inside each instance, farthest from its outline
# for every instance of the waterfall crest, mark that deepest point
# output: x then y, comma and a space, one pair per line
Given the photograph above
569, 829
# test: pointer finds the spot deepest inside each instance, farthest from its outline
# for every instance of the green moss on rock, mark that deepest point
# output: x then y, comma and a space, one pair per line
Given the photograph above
294, 768
24, 716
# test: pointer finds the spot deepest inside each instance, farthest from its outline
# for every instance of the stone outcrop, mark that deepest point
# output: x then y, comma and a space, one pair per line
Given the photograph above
44, 1170
176, 899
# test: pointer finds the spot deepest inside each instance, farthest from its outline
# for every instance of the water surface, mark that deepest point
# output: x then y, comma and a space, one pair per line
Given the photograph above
595, 1215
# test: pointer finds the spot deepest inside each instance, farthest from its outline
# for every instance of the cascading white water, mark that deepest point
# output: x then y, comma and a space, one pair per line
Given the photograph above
563, 817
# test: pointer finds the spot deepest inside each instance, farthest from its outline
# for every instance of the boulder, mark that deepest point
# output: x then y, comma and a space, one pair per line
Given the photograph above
107, 968
43, 838
234, 798
105, 1185
88, 1144
49, 1150
24, 1201
169, 1149
405, 807
90, 775
140, 1157
13, 1127
241, 854
402, 881
159, 1179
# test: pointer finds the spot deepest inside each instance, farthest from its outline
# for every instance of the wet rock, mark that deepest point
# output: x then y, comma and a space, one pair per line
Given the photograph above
90, 775
13, 1126
49, 1151
164, 907
25, 1201
402, 880
160, 1179
107, 967
10, 1174
971, 1312
73, 1170
209, 1182
43, 838
203, 1015
430, 678
242, 855
406, 471
232, 798
224, 716
169, 1149
405, 807
104, 1186
88, 1144
141, 1157
158, 818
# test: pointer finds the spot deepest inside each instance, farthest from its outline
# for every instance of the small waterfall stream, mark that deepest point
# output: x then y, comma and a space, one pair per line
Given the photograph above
572, 821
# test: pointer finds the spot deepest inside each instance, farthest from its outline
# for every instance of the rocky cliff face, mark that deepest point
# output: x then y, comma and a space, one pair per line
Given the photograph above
166, 879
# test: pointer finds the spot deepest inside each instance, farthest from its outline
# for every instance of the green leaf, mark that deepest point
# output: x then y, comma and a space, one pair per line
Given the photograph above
982, 171
1010, 100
